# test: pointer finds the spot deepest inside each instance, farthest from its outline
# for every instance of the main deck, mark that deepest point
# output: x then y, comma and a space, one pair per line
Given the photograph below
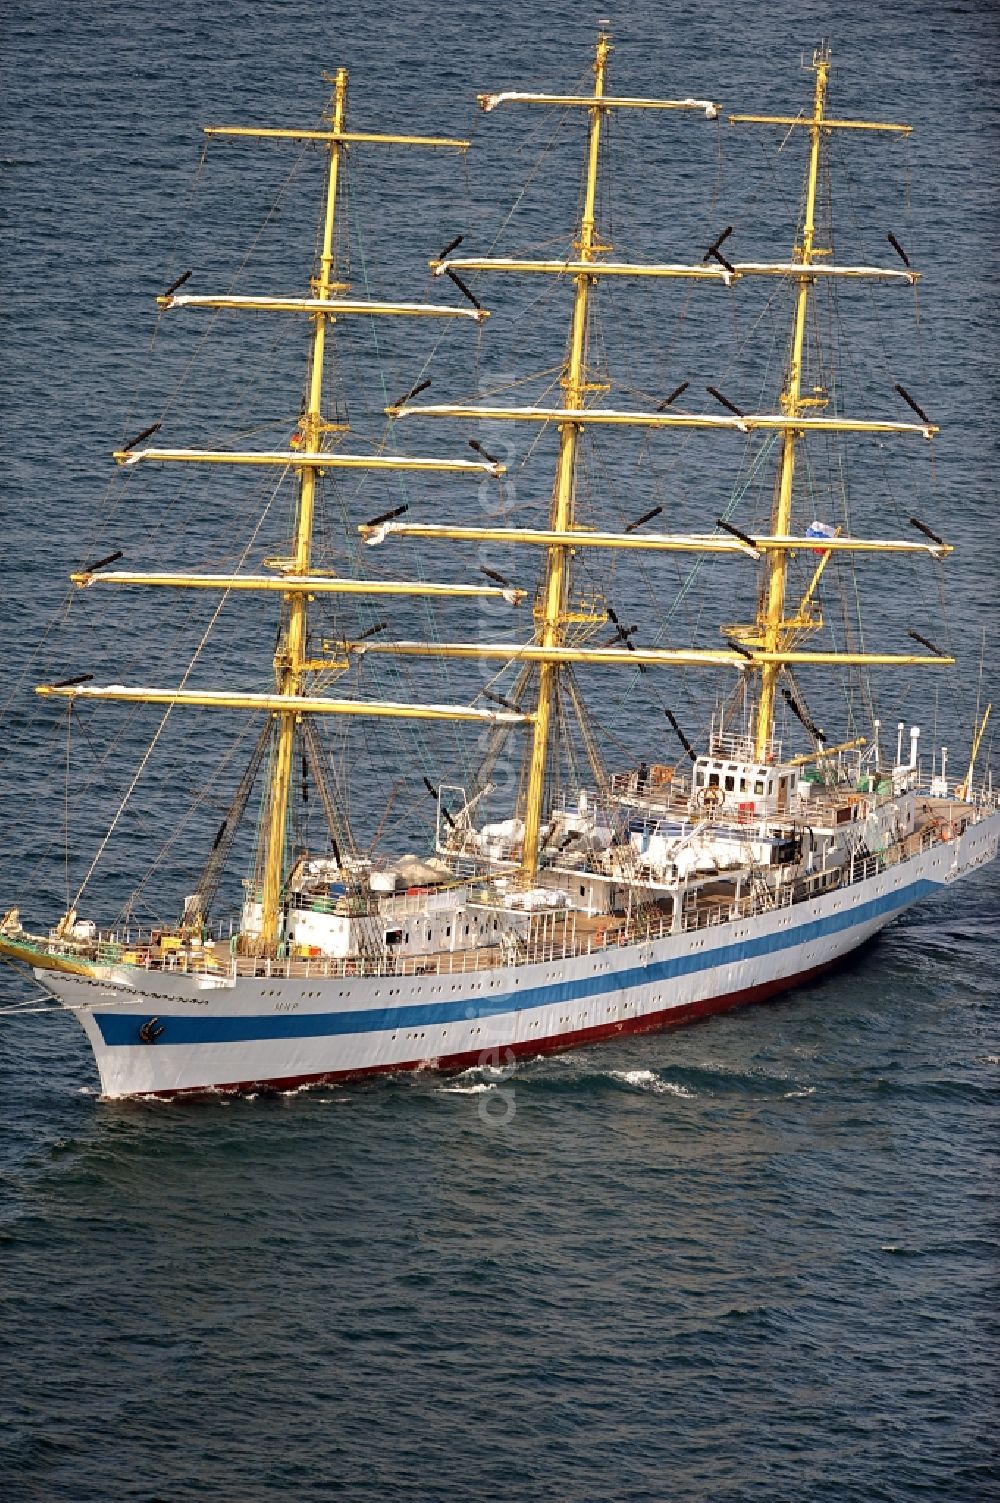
552, 935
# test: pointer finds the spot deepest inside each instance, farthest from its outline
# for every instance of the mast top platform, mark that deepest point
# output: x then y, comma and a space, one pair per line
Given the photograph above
822, 61
335, 134
598, 100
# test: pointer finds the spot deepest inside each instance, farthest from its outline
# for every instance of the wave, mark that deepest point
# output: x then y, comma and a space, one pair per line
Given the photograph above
649, 1080
475, 1089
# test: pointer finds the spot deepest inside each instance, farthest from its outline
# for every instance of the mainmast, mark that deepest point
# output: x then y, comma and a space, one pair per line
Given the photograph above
552, 653
561, 511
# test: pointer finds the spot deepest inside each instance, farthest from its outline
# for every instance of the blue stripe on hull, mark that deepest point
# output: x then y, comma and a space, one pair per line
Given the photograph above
119, 1028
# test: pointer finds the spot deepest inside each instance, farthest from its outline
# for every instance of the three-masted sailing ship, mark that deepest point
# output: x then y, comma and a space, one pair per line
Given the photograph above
644, 896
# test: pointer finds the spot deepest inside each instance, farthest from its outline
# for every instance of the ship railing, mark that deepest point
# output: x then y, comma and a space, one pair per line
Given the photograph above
863, 865
660, 793
137, 950
420, 900
135, 946
861, 868
725, 746
982, 798
564, 946
127, 937
552, 946
344, 904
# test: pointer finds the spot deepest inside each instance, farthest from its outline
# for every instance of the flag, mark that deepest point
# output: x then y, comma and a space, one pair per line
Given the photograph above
820, 530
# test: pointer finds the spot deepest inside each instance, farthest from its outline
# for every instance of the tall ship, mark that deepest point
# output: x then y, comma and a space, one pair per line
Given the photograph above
585, 894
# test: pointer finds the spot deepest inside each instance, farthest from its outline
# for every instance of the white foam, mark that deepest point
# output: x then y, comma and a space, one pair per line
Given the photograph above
648, 1080
634, 1077
805, 1091
468, 1090
485, 1072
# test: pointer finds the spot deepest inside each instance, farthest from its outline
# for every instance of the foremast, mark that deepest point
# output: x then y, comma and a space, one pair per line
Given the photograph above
291, 654
309, 456
791, 399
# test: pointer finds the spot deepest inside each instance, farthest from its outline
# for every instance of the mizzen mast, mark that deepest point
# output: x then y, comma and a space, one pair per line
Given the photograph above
773, 632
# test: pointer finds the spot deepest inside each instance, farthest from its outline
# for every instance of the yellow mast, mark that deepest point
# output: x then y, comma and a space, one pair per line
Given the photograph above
771, 632
770, 620
289, 658
561, 513
586, 269
964, 790
310, 459
768, 643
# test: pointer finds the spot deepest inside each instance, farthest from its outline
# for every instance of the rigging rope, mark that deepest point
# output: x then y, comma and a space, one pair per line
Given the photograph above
169, 710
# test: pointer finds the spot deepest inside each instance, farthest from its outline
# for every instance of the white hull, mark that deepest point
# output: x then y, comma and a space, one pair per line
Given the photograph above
236, 1033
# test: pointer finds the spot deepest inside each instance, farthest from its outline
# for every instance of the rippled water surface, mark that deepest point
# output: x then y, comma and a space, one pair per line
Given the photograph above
753, 1259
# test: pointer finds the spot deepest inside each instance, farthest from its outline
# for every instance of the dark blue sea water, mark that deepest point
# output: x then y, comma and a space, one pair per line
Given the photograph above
752, 1260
